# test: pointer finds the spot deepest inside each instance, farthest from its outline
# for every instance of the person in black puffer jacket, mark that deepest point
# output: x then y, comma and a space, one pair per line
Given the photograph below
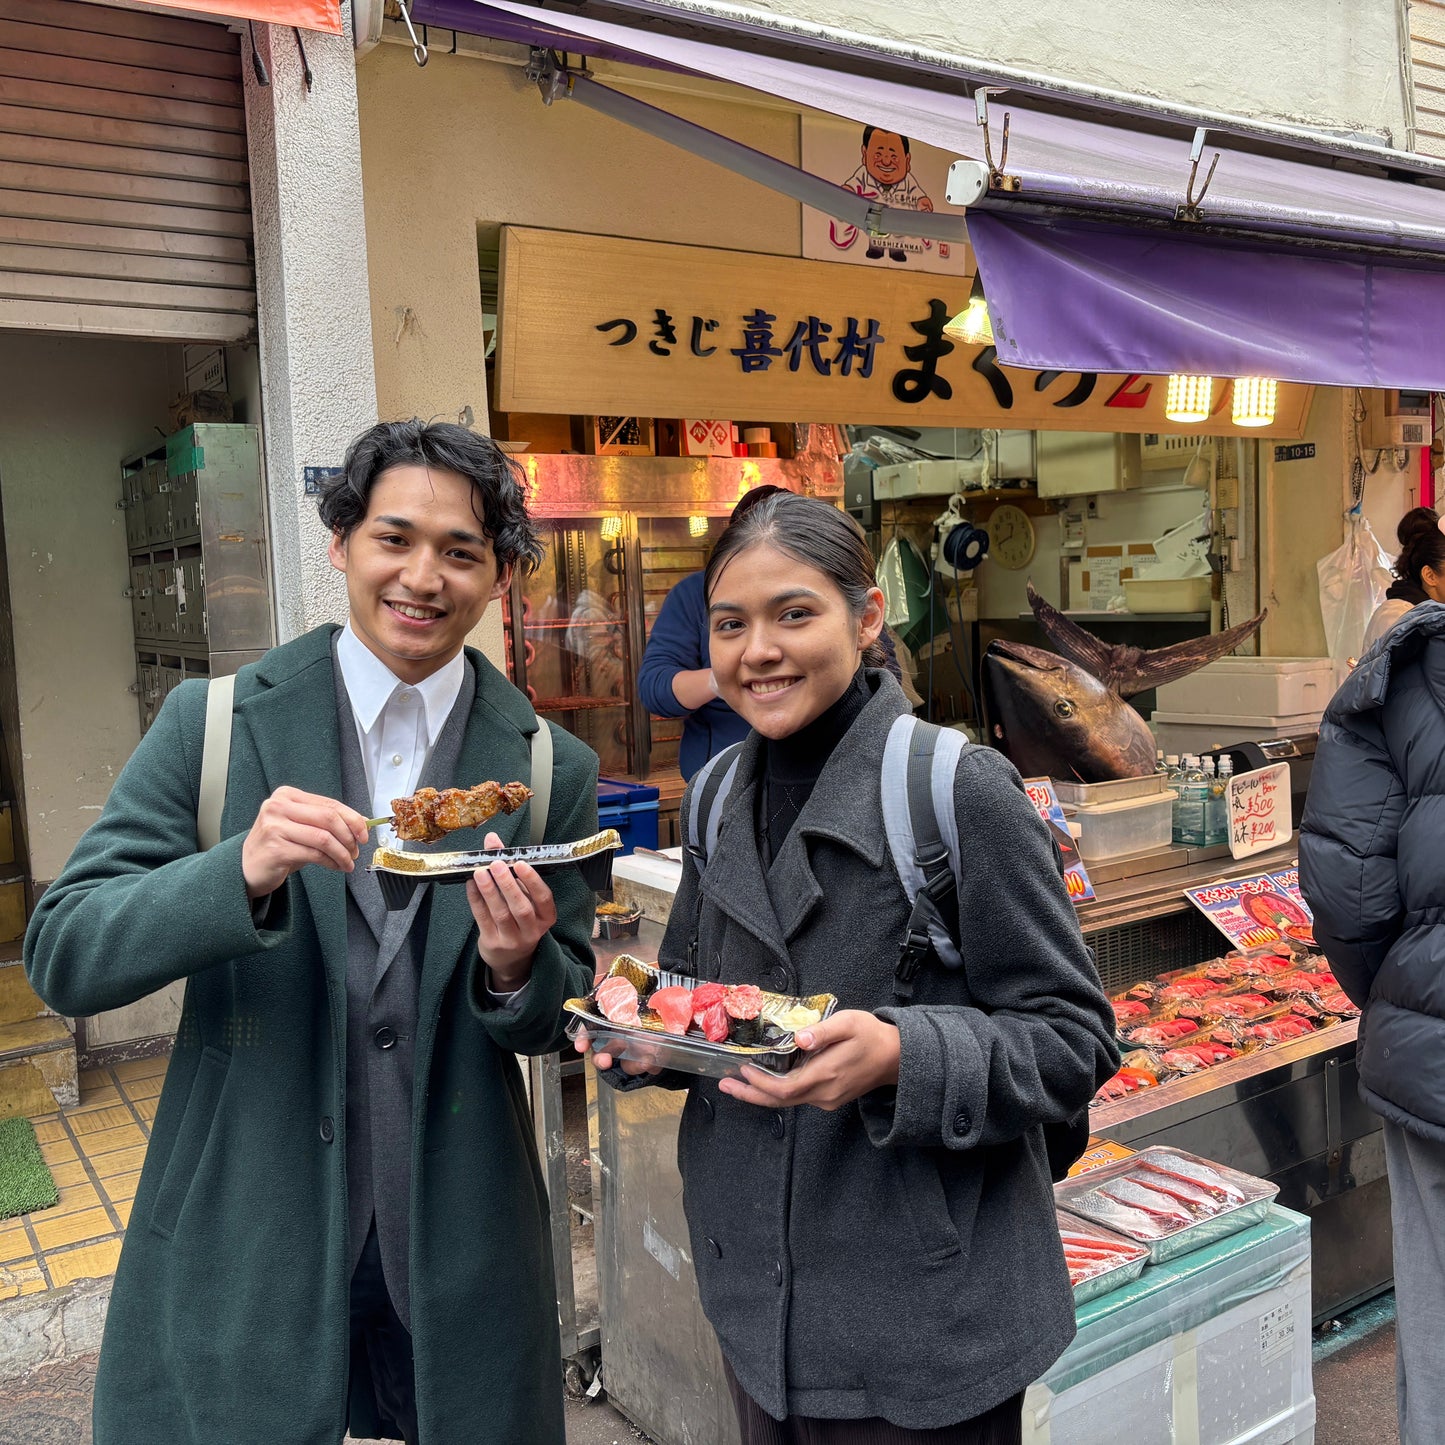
1372, 866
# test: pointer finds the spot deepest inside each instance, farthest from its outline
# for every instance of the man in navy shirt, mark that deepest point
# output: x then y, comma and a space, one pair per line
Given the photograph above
675, 679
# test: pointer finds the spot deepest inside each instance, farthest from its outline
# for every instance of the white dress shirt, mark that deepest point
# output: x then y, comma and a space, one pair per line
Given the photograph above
397, 725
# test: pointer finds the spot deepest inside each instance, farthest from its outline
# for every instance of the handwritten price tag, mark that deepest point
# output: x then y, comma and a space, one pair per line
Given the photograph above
1259, 811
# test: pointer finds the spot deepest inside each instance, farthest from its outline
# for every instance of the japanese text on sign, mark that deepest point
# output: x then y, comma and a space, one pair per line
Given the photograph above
1045, 800
1257, 911
1259, 810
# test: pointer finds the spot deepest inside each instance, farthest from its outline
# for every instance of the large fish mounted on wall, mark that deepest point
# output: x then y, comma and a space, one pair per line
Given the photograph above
1064, 716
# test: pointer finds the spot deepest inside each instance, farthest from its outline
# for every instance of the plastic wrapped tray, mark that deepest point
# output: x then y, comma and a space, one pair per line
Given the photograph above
1089, 1283
400, 873
647, 1042
1102, 1197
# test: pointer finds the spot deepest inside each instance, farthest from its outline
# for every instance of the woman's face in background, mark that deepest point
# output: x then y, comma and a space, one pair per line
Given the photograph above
784, 641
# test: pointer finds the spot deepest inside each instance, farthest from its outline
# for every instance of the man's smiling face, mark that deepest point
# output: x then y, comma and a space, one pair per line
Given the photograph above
419, 571
885, 159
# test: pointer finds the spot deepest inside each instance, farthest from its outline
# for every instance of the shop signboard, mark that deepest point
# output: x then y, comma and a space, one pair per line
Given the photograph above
1076, 876
606, 326
892, 169
1257, 911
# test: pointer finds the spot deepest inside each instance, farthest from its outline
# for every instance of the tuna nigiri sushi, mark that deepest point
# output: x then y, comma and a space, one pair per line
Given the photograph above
673, 1006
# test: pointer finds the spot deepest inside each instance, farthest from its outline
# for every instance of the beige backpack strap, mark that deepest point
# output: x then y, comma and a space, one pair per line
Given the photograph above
215, 761
541, 779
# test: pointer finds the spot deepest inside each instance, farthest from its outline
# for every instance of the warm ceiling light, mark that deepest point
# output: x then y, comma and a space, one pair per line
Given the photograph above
611, 528
697, 526
972, 325
1254, 400
1189, 398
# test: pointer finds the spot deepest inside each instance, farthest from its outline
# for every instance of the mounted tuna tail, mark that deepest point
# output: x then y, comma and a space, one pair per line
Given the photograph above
1130, 670
1065, 716
1051, 719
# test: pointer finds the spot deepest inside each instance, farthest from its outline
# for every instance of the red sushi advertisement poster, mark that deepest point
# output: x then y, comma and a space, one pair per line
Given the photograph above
1076, 876
1257, 911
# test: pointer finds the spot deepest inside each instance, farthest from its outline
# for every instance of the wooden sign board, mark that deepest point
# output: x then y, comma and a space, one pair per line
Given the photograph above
606, 326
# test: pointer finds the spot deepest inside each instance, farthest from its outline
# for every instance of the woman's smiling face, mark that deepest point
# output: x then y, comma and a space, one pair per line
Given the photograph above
784, 642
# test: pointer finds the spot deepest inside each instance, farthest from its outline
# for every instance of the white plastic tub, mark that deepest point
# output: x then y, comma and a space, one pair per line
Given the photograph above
1134, 825
1194, 733
1087, 794
1252, 687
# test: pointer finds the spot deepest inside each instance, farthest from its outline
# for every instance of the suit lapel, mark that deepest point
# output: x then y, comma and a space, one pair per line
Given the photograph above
733, 880
292, 726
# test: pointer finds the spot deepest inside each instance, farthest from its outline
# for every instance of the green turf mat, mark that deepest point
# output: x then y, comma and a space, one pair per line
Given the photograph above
25, 1179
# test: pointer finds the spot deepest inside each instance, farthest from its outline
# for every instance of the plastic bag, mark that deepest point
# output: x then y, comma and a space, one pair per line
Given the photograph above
912, 606
1353, 579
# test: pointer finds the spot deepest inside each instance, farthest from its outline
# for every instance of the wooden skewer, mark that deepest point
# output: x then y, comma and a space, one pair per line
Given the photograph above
377, 822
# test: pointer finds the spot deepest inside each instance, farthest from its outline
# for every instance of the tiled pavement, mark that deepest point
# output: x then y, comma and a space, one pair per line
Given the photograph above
95, 1151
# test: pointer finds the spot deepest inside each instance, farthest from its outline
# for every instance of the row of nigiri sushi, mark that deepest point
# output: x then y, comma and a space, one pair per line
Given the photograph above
722, 1013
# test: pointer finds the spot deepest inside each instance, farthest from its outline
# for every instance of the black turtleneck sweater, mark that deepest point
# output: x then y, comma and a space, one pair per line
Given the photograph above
791, 765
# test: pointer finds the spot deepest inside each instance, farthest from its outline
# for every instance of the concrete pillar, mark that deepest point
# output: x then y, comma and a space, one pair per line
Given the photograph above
317, 381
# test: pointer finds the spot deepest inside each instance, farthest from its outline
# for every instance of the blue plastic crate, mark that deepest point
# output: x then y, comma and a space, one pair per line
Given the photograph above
631, 808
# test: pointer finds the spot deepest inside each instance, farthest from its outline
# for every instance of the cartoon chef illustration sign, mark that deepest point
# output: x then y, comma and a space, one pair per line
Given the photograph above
884, 173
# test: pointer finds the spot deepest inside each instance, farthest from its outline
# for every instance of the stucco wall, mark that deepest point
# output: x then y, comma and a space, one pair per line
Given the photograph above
1332, 64
73, 408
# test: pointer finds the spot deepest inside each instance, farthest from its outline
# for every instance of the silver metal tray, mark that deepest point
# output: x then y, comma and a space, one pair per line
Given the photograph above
400, 872
1103, 1281
1118, 790
1249, 1203
649, 1044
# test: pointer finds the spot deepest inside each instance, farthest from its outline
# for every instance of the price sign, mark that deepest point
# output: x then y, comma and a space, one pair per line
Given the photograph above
1254, 912
1076, 878
1259, 811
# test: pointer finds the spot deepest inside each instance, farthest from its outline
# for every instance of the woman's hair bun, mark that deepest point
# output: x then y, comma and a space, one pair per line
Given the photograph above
1415, 524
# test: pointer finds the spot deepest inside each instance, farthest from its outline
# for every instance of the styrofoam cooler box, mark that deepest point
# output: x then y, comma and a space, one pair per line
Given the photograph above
1188, 732
1212, 1348
1252, 687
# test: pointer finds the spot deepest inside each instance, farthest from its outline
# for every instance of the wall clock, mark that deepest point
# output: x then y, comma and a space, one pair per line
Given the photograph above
1011, 537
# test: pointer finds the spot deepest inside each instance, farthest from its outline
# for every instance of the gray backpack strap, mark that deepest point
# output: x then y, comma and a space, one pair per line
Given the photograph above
541, 749
920, 762
215, 761
711, 785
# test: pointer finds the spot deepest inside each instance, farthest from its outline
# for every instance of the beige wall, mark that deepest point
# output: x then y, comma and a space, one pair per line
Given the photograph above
72, 409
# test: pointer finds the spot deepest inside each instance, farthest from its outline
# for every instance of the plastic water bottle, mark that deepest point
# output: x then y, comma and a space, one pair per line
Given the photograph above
1217, 821
1160, 766
1171, 780
1193, 801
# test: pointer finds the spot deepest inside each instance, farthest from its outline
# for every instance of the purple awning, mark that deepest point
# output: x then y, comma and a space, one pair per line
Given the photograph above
1075, 296
1308, 271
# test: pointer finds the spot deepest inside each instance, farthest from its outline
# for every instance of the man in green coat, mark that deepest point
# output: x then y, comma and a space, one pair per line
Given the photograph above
341, 1221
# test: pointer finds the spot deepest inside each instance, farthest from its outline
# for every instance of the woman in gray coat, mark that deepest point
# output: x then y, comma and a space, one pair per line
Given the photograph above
874, 1232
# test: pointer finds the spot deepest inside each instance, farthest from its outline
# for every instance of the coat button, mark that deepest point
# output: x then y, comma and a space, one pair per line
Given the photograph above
777, 1273
384, 1037
777, 1126
713, 1248
328, 1129
779, 978
961, 1122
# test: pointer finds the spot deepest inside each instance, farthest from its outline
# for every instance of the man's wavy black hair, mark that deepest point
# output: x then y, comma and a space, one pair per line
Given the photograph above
496, 482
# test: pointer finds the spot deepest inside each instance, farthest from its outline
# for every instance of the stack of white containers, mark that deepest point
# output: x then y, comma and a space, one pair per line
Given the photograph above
1243, 699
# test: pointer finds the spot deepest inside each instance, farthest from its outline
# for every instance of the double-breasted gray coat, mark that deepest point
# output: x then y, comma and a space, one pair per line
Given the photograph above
229, 1317
897, 1257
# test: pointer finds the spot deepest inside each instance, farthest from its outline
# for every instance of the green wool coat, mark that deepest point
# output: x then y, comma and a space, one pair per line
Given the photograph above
229, 1318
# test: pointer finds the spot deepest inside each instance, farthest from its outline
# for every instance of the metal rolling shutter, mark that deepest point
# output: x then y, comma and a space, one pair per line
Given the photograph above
124, 203
1427, 65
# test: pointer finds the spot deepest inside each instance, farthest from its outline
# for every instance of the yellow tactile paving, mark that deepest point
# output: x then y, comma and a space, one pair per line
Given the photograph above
49, 1129
140, 1069
107, 1141
149, 1088
122, 1161
93, 1121
20, 1278
51, 1233
14, 1243
93, 1261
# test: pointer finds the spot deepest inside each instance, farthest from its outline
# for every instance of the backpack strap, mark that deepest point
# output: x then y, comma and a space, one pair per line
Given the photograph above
711, 785
215, 761
540, 745
919, 765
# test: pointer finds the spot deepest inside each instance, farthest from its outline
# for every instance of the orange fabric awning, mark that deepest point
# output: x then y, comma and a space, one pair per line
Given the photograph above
322, 15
